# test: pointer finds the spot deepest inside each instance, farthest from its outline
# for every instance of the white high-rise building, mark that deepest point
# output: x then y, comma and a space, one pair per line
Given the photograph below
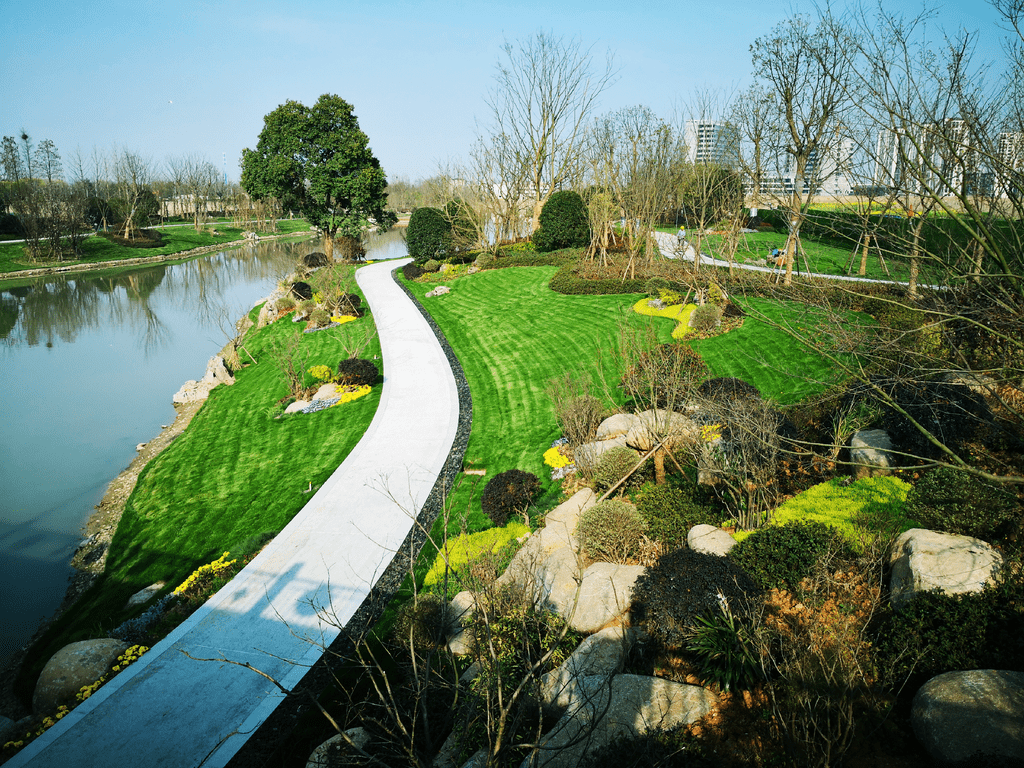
710, 141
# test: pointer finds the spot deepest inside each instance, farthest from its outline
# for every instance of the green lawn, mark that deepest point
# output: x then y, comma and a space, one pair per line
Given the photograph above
176, 240
235, 472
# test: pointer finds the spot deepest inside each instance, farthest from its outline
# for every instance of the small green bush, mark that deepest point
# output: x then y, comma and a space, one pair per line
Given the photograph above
724, 650
655, 286
431, 265
319, 318
706, 318
509, 494
356, 372
412, 270
726, 388
464, 552
429, 235
684, 584
426, 621
613, 466
564, 223
302, 291
956, 502
285, 304
611, 531
779, 556
936, 633
670, 512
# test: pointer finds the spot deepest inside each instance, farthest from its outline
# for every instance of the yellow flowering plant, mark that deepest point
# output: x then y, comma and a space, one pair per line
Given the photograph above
555, 459
353, 394
321, 373
214, 569
342, 319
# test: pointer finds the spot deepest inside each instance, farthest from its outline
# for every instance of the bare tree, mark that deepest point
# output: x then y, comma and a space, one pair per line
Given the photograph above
132, 176
545, 92
808, 69
194, 180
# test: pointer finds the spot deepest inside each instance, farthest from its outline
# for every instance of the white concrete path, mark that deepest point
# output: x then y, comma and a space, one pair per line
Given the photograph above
670, 248
168, 710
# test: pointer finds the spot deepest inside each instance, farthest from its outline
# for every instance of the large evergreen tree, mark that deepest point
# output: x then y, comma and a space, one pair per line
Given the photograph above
319, 157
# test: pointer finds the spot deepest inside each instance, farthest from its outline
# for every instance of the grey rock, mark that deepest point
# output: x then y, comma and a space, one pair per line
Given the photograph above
622, 705
588, 454
441, 290
606, 593
297, 406
72, 667
328, 391
145, 595
923, 560
330, 752
959, 715
652, 425
617, 425
710, 540
870, 451
601, 654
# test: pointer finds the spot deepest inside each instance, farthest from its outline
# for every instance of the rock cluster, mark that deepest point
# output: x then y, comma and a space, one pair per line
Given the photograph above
194, 391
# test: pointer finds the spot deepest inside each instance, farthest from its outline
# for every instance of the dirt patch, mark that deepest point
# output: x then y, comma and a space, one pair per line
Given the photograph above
91, 556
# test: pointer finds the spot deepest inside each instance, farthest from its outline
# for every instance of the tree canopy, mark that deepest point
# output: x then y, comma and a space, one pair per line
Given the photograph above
320, 158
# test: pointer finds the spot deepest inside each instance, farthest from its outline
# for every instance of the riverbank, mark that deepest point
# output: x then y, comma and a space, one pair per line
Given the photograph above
61, 269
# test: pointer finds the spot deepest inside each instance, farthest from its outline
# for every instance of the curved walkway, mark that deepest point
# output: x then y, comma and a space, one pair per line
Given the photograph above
669, 247
170, 710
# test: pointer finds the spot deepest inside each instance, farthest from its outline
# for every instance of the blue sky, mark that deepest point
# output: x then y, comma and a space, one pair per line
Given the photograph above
197, 76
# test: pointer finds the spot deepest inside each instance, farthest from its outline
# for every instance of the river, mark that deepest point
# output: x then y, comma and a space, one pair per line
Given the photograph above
88, 365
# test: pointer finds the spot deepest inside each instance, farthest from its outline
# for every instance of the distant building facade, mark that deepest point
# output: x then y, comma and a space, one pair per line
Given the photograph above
712, 142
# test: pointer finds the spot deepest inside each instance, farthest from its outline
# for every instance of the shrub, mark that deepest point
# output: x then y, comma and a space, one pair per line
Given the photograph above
349, 304
319, 318
564, 223
951, 412
670, 513
302, 291
956, 502
349, 248
725, 388
315, 259
732, 309
509, 494
412, 270
613, 466
684, 584
462, 555
426, 621
611, 531
661, 377
655, 286
724, 649
285, 304
357, 372
936, 633
429, 235
779, 556
431, 265
706, 318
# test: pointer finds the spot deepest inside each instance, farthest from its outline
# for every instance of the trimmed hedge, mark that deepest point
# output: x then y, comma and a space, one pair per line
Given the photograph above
509, 494
564, 223
429, 235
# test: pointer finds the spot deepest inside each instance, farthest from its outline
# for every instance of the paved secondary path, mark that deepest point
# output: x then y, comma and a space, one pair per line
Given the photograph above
168, 710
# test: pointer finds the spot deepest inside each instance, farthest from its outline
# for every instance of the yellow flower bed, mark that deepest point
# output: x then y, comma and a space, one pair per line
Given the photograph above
353, 394
210, 569
678, 312
468, 546
342, 319
555, 459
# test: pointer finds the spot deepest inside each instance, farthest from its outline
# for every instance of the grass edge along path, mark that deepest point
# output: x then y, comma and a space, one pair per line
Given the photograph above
235, 473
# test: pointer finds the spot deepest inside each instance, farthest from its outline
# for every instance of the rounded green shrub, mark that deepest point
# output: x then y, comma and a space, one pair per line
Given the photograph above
426, 622
319, 318
613, 466
655, 286
285, 304
956, 502
429, 235
357, 372
779, 556
431, 265
611, 531
564, 223
509, 494
683, 585
412, 270
706, 318
670, 513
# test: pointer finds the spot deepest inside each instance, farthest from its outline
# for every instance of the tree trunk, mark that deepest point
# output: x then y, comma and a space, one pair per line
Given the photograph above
864, 256
329, 244
659, 466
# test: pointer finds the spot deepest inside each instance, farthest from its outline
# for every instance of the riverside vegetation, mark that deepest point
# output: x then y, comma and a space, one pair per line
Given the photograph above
509, 365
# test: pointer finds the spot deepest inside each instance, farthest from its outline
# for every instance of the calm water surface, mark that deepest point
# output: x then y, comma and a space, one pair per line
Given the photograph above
88, 365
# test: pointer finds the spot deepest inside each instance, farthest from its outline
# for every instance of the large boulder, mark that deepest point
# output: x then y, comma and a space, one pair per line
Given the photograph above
871, 453
605, 596
660, 423
624, 705
710, 539
589, 454
333, 751
923, 560
193, 391
71, 668
601, 654
616, 425
975, 715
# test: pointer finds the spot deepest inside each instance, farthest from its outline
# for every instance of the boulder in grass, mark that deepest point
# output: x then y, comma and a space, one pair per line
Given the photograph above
871, 453
974, 716
710, 539
72, 667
